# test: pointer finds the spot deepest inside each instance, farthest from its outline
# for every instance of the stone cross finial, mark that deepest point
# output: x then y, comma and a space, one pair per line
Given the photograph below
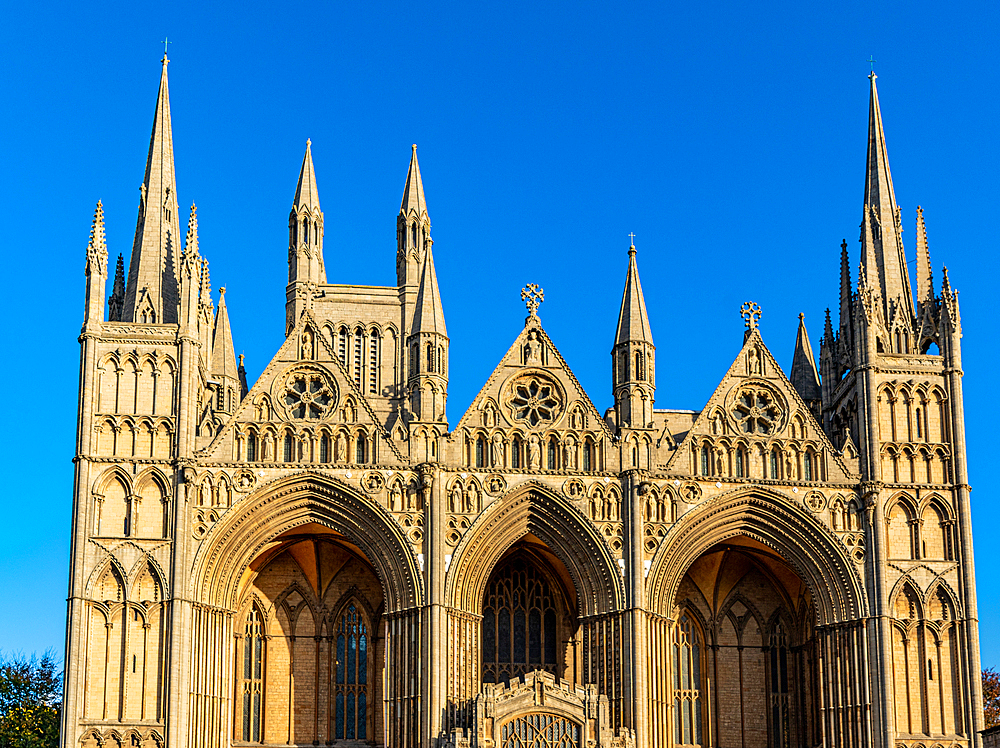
750, 311
166, 41
532, 295
871, 61
631, 237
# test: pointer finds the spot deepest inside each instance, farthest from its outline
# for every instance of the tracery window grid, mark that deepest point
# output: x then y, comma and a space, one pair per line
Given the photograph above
779, 698
540, 730
252, 686
687, 679
352, 677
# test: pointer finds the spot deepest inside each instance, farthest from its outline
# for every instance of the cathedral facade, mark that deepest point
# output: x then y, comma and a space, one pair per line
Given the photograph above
321, 558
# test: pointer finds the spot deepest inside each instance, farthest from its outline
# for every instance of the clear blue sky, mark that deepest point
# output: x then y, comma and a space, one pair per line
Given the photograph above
730, 137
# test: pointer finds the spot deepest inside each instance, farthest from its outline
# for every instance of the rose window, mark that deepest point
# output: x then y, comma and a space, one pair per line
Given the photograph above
756, 412
309, 395
534, 400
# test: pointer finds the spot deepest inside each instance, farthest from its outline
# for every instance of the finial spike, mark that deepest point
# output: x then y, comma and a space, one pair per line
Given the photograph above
751, 313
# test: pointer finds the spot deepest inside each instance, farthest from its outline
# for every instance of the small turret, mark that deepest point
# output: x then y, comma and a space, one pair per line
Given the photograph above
190, 278
224, 373
633, 356
96, 270
306, 268
413, 227
804, 377
116, 301
428, 350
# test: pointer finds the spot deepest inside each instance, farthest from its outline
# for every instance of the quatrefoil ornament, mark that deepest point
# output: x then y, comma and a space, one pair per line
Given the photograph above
532, 295
751, 311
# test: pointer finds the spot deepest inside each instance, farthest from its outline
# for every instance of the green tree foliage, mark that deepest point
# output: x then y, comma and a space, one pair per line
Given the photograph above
30, 701
991, 697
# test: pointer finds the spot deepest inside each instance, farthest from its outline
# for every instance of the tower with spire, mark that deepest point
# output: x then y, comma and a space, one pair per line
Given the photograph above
618, 565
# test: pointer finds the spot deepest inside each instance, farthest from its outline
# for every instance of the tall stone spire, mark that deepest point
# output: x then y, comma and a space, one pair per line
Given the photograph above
882, 241
151, 291
428, 317
633, 355
306, 268
925, 277
413, 227
804, 377
846, 294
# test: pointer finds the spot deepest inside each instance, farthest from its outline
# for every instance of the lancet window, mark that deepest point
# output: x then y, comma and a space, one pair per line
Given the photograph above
779, 709
253, 677
351, 687
688, 647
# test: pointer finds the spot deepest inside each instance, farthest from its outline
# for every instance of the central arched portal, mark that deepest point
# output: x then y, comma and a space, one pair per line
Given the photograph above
744, 651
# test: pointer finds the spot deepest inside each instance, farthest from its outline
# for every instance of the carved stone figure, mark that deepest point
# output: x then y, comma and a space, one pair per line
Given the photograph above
534, 453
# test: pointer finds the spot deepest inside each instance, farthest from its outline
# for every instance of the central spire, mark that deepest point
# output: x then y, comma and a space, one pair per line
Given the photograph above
414, 201
151, 291
882, 242
633, 321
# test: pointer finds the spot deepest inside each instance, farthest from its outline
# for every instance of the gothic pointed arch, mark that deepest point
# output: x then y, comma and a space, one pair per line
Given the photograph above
537, 510
306, 499
808, 546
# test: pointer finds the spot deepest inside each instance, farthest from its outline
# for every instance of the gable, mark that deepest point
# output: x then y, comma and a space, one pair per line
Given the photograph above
533, 389
305, 389
756, 412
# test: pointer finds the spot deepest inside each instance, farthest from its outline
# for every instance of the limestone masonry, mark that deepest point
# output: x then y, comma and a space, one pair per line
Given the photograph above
322, 559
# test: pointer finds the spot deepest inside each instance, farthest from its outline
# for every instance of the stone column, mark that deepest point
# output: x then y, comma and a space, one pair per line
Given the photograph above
434, 646
635, 623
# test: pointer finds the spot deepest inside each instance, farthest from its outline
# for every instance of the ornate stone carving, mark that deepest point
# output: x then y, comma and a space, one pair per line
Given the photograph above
534, 399
309, 393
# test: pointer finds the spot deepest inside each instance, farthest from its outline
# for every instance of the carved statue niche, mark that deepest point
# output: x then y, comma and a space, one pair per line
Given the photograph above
496, 451
471, 504
534, 453
533, 349
339, 448
307, 344
455, 497
396, 497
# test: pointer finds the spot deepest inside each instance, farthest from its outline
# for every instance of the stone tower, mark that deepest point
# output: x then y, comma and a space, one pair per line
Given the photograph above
323, 558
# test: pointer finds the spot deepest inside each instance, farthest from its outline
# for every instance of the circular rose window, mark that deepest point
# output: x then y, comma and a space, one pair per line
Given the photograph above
309, 394
756, 410
535, 400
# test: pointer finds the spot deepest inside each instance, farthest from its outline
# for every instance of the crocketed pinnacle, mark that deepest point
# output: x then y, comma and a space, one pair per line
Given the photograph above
152, 271
804, 377
414, 201
306, 192
97, 247
925, 277
633, 321
223, 352
890, 275
429, 314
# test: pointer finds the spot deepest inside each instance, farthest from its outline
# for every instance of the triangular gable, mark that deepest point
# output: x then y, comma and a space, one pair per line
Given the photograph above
290, 352
534, 352
780, 414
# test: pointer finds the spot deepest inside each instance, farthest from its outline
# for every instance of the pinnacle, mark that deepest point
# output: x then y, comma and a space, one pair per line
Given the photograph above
306, 191
804, 376
429, 314
414, 201
633, 320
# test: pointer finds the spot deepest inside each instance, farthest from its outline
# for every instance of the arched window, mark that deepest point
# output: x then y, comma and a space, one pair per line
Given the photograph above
324, 448
359, 346
413, 233
551, 454
515, 452
440, 360
687, 650
774, 464
289, 447
430, 358
739, 462
807, 466
351, 687
251, 447
588, 455
919, 429
639, 368
220, 397
316, 233
253, 677
779, 686
480, 451
342, 345
520, 629
361, 449
706, 463
373, 358
305, 230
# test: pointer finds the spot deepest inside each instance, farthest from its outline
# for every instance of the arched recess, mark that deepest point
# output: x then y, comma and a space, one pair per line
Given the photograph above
819, 592
809, 547
259, 527
536, 513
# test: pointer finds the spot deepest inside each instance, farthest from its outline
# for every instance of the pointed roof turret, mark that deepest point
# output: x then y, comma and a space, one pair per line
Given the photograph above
633, 321
414, 200
152, 273
845, 291
882, 238
223, 352
117, 299
306, 192
429, 314
97, 247
804, 377
925, 277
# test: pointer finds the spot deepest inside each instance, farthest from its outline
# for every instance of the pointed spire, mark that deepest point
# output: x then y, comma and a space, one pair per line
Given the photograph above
429, 314
828, 328
306, 192
152, 274
633, 321
223, 352
413, 193
97, 247
882, 250
845, 291
925, 277
191, 240
117, 299
804, 377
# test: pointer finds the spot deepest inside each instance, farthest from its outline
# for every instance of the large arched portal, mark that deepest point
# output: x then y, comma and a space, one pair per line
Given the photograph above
745, 651
310, 647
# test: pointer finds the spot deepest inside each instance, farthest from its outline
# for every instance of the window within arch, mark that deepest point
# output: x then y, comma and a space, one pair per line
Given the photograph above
520, 630
705, 461
779, 715
480, 451
588, 455
739, 463
515, 452
430, 358
289, 447
413, 233
351, 687
324, 448
551, 455
253, 677
361, 449
359, 346
342, 345
305, 230
687, 651
373, 359
639, 368
251, 447
774, 464
807, 466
